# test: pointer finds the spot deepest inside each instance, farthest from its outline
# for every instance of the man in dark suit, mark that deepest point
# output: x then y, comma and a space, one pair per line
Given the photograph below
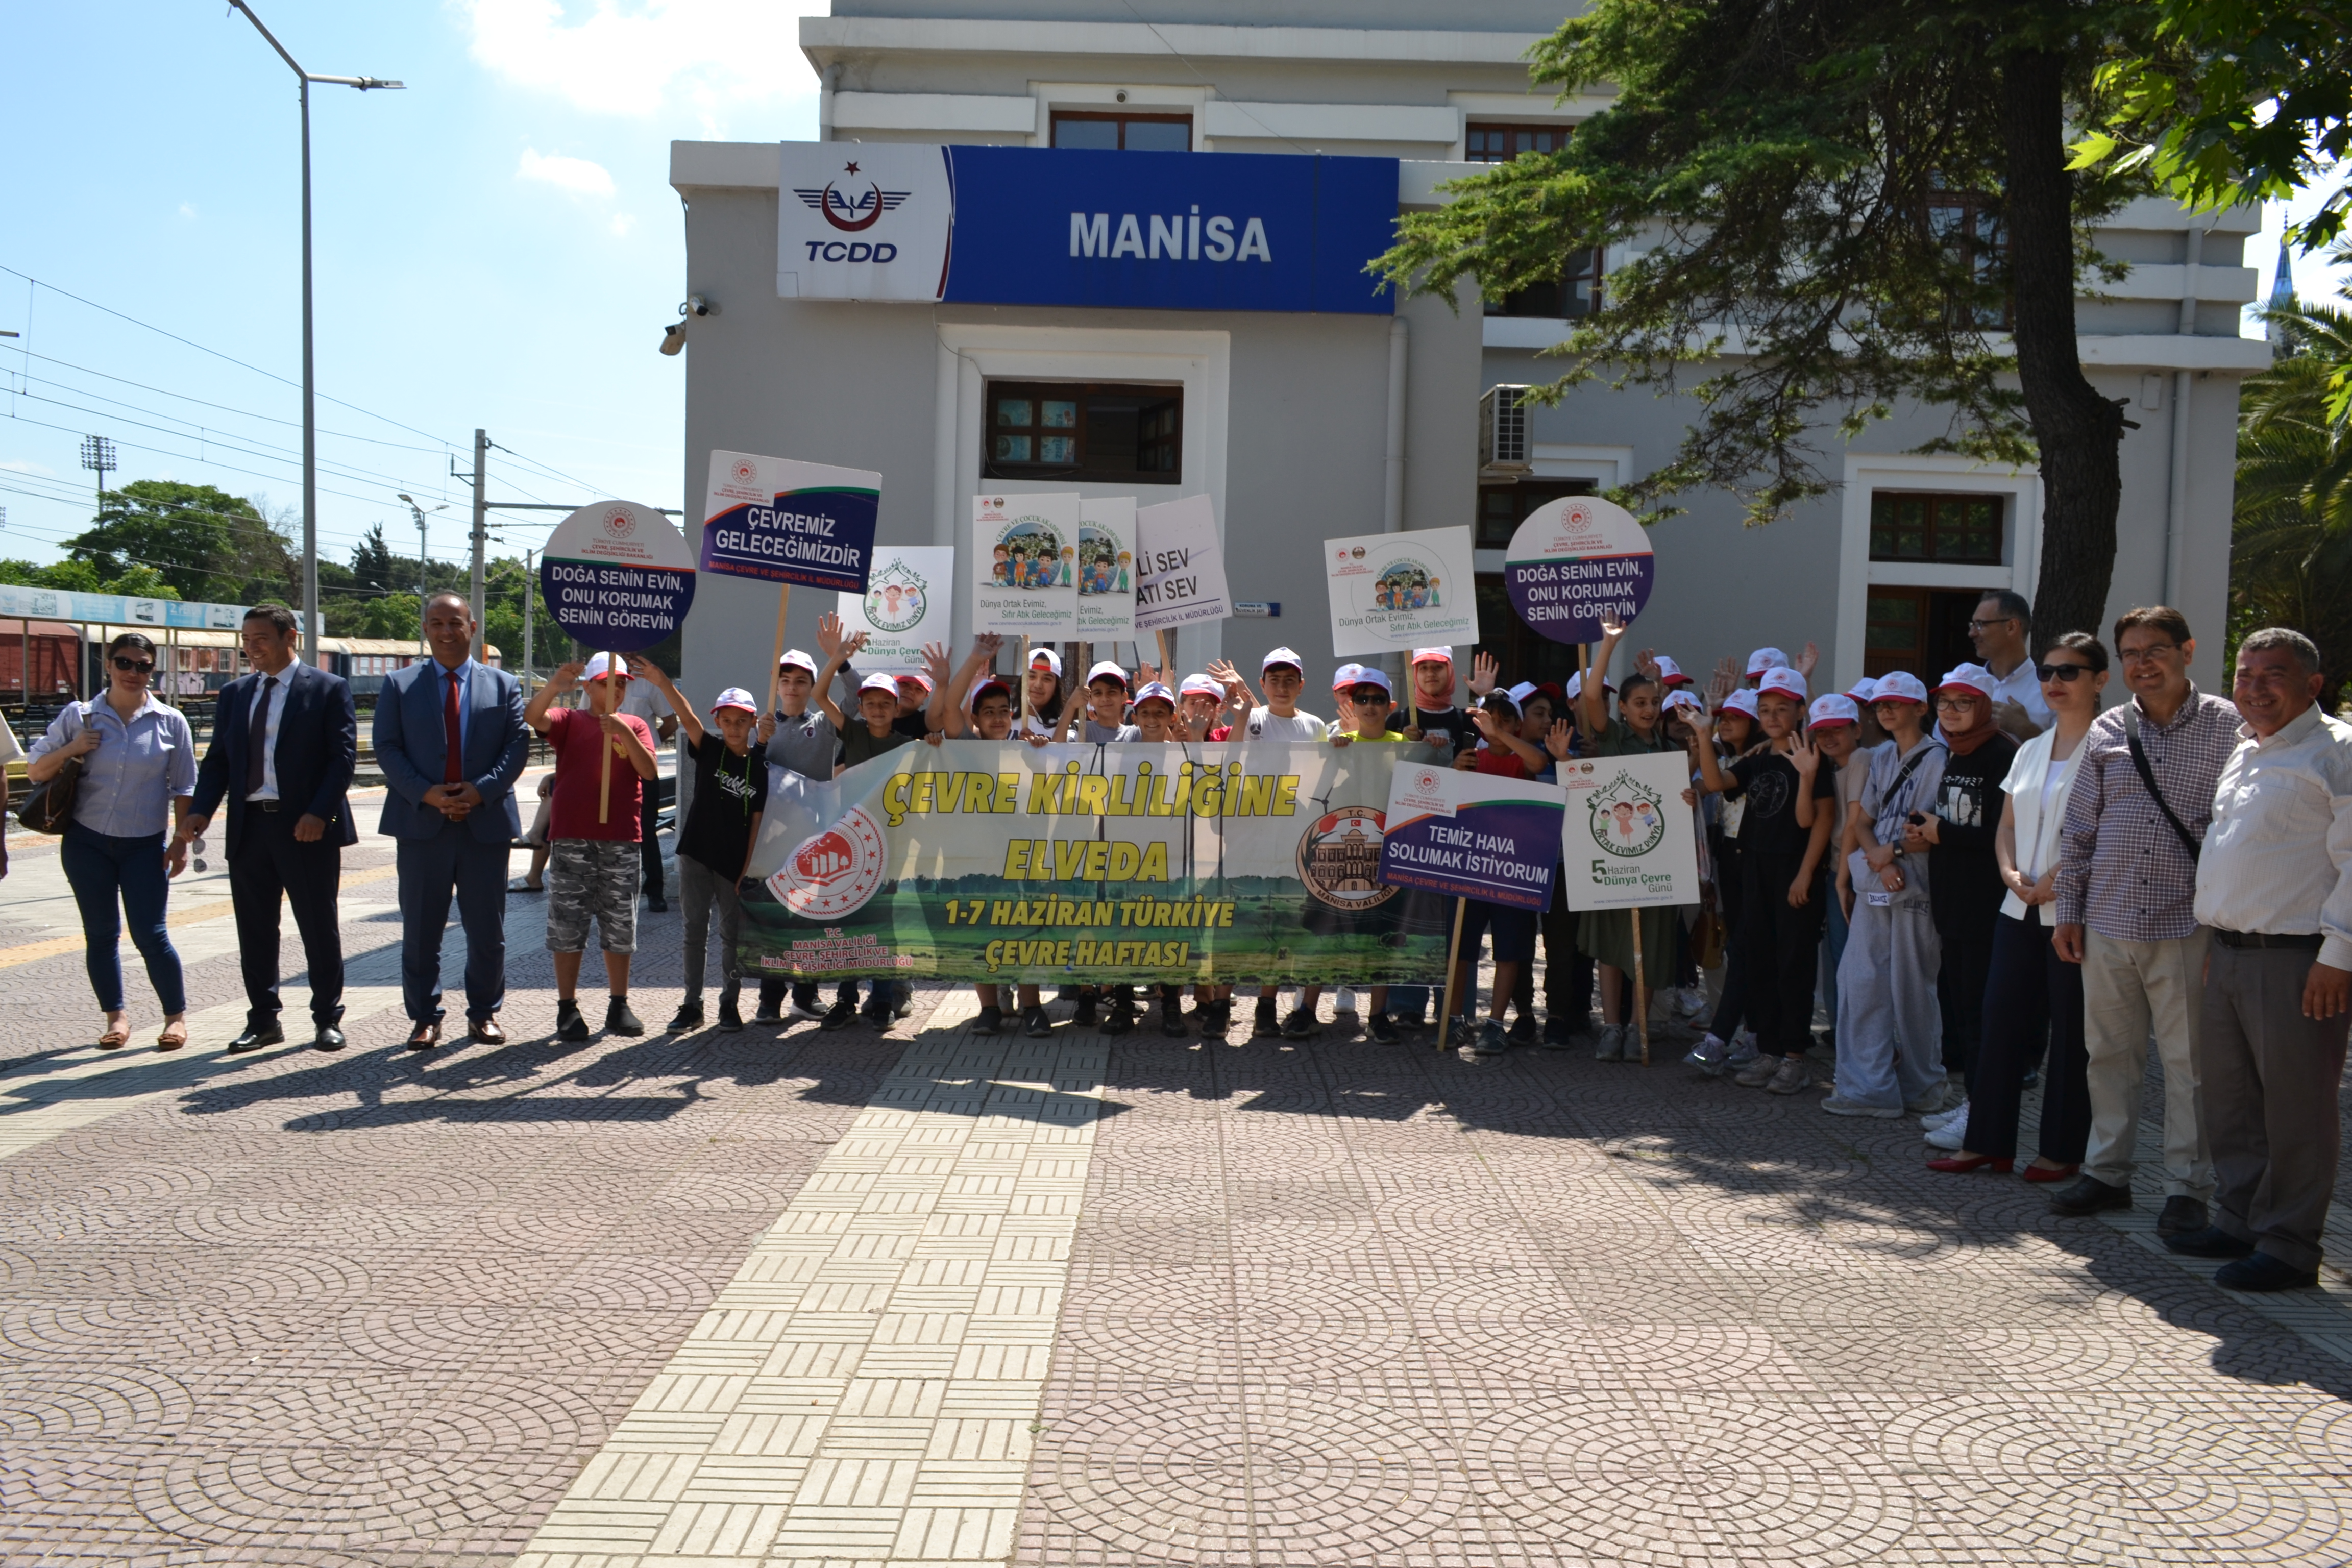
450, 738
285, 741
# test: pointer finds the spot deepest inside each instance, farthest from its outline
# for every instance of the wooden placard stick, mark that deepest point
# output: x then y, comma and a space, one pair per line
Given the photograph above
604, 786
1452, 958
1640, 988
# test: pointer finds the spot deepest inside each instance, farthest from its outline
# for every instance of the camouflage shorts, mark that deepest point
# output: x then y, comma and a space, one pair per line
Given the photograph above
595, 878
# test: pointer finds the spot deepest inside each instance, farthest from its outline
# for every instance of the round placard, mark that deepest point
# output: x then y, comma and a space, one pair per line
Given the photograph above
1575, 560
618, 576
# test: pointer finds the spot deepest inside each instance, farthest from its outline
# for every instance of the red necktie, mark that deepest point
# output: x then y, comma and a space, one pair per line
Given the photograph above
452, 738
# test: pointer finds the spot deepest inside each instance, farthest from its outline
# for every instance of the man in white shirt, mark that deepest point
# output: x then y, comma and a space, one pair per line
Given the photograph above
2274, 885
646, 702
1998, 630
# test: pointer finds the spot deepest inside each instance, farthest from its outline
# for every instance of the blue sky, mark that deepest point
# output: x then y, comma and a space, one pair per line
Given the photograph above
495, 246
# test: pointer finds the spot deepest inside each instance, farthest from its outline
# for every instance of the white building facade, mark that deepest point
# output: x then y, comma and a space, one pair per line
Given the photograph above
1304, 404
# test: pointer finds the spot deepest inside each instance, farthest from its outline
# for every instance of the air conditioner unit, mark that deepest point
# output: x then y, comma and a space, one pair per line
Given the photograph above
1502, 433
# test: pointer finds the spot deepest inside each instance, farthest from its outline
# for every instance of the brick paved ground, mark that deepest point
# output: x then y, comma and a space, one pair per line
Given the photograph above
782, 1300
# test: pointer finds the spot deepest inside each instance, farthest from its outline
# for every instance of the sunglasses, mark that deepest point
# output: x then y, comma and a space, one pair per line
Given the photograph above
2067, 672
135, 666
1362, 696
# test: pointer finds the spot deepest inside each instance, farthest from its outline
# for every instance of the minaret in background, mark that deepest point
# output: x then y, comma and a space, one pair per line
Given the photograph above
2282, 296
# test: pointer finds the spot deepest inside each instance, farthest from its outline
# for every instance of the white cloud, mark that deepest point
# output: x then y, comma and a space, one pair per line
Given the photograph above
188, 211
19, 466
578, 175
611, 57
622, 223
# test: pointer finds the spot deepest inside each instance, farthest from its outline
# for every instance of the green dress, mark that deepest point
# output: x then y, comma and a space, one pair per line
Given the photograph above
1607, 935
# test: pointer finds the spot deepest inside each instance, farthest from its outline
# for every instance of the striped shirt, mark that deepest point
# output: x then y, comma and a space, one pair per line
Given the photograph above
2122, 870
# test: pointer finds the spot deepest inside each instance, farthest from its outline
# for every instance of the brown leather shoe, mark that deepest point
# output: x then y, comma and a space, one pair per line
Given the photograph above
424, 1036
486, 1030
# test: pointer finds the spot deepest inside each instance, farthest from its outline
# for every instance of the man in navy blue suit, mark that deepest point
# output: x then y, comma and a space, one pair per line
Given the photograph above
285, 741
450, 738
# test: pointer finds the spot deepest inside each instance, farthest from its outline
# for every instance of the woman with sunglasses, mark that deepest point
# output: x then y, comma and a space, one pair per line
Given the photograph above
138, 770
2030, 991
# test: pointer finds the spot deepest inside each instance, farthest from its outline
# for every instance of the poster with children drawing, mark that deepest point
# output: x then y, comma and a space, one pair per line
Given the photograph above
1628, 840
1107, 568
1025, 550
1401, 591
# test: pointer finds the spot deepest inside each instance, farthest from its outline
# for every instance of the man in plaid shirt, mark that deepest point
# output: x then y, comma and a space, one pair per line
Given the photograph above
2126, 913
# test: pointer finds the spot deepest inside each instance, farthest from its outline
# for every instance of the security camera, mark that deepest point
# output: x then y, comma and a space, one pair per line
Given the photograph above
698, 305
674, 337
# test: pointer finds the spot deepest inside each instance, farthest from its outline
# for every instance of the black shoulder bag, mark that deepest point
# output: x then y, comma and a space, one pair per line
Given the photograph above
2148, 779
51, 807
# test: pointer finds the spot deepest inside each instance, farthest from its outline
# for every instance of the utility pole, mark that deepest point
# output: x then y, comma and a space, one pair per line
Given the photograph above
481, 512
530, 603
98, 454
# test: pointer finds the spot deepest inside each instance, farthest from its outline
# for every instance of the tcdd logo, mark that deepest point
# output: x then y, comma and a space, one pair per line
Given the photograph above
851, 215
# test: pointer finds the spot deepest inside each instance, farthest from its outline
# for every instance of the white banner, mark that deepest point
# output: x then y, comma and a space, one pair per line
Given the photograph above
863, 221
1628, 840
1107, 568
1401, 591
1026, 564
1181, 567
908, 601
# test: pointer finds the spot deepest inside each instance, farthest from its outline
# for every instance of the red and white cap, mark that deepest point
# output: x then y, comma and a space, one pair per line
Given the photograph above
1863, 691
794, 659
1443, 656
1741, 701
601, 664
1833, 709
1787, 682
1576, 684
1201, 686
1344, 675
1670, 674
1684, 700
982, 687
1363, 675
1049, 659
1282, 656
879, 682
1973, 678
1900, 686
1154, 691
922, 680
1109, 669
735, 697
1765, 659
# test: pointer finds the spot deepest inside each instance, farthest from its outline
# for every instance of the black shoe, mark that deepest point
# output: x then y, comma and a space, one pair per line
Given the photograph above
1300, 1025
2033, 1077
569, 1024
619, 1020
1036, 1024
990, 1022
1085, 1014
1555, 1036
903, 1003
2181, 1215
1264, 1023
328, 1038
2089, 1195
772, 1017
875, 1012
658, 904
840, 1015
2211, 1242
1383, 1030
1522, 1031
253, 1039
1171, 1018
1117, 1018
2261, 1271
687, 1016
731, 1017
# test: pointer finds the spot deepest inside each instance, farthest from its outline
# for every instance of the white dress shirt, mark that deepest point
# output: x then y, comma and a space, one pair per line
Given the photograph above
2023, 686
2036, 813
285, 678
2278, 859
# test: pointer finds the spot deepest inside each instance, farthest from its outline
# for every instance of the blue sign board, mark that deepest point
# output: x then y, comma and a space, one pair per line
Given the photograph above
1472, 835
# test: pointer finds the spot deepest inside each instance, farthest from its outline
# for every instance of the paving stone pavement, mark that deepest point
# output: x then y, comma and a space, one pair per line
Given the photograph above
930, 1299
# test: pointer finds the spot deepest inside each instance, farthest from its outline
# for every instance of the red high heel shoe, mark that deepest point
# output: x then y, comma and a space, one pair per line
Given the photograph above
1962, 1164
2053, 1172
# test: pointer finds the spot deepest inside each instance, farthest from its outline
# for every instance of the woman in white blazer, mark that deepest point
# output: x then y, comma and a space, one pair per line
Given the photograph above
2031, 994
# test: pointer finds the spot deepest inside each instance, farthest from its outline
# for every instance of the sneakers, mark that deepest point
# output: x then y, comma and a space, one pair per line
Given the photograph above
1035, 1025
569, 1024
1385, 1030
619, 1020
876, 1011
1612, 1047
1265, 1025
687, 1016
990, 1022
1709, 1056
1523, 1031
1951, 1137
1299, 1026
1691, 1001
1118, 1018
1936, 1119
1793, 1076
1085, 1016
803, 1007
731, 1017
1460, 1034
1555, 1035
1839, 1105
1759, 1070
840, 1015
1932, 1103
1743, 1049
770, 1017
1343, 1000
1172, 1017
1491, 1040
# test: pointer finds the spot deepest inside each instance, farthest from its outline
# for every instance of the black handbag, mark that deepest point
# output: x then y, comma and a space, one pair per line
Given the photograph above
49, 807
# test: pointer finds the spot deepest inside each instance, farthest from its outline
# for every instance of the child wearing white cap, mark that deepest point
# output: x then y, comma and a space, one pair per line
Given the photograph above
1102, 717
592, 868
801, 740
715, 839
986, 711
1046, 693
1434, 716
1281, 677
877, 734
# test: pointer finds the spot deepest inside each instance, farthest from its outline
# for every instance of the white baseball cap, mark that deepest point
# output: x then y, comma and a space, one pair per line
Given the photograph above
982, 687
1576, 684
1973, 678
735, 697
1109, 669
1684, 700
922, 680
1670, 673
1864, 691
1368, 674
1344, 677
1785, 682
1048, 658
1835, 708
1520, 693
601, 664
879, 682
1900, 686
1741, 701
794, 659
1201, 686
1432, 655
1767, 658
1151, 689
1282, 656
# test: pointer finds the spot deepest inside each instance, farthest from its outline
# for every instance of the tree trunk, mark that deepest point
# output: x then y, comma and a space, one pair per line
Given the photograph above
2079, 432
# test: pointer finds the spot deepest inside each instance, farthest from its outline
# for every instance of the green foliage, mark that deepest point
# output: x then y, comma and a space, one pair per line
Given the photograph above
204, 542
1782, 180
2291, 527
81, 577
2235, 100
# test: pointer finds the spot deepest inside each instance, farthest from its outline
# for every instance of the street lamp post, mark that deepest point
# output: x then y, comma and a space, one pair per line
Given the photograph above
310, 387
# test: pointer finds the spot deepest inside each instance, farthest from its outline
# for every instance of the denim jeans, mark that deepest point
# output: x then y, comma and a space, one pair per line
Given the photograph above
102, 870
